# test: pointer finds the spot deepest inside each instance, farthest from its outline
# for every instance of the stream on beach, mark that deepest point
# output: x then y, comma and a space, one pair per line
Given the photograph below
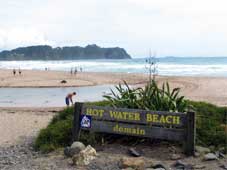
50, 97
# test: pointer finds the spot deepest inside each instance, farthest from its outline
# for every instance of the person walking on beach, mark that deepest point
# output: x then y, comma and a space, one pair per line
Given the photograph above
75, 71
14, 72
69, 98
20, 71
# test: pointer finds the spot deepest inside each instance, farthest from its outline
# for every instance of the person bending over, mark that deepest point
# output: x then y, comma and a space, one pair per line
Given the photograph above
69, 98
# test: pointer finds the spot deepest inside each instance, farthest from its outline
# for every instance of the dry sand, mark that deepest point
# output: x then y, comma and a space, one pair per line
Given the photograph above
19, 123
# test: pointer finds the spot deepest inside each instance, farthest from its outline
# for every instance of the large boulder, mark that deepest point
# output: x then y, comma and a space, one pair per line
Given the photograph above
74, 149
85, 156
135, 163
79, 146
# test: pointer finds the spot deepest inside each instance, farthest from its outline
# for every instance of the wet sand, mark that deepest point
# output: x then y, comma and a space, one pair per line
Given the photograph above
35, 78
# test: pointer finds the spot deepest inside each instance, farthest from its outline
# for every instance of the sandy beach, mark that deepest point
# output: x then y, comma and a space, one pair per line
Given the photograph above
209, 89
18, 125
18, 122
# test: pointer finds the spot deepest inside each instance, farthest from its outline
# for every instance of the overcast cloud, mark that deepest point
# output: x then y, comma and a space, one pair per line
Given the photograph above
169, 27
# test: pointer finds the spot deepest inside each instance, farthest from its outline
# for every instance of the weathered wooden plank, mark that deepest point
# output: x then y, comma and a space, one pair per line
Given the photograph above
190, 132
136, 116
76, 121
133, 122
137, 130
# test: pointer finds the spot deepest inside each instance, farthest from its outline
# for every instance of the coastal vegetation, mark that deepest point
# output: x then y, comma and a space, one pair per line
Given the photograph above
209, 118
150, 98
45, 52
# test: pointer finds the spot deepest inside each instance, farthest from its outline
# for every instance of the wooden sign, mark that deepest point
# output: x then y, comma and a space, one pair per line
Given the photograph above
133, 122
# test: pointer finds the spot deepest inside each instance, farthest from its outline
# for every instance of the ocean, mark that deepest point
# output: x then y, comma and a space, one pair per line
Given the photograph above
170, 66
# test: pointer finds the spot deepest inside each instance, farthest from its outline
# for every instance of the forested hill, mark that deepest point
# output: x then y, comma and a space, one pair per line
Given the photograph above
45, 52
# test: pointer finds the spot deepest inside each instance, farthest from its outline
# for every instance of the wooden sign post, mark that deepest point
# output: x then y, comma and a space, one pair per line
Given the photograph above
134, 122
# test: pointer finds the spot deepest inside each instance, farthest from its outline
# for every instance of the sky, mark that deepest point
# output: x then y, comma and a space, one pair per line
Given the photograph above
166, 27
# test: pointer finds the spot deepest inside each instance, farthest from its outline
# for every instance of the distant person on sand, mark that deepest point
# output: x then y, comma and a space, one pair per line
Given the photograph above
14, 72
75, 70
69, 98
20, 71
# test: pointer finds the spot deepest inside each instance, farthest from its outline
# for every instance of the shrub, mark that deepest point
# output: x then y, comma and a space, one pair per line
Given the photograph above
208, 124
63, 115
59, 132
150, 98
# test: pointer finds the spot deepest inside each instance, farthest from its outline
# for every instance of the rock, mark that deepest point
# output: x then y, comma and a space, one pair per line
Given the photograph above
202, 150
63, 81
224, 166
182, 165
219, 154
67, 152
136, 163
172, 149
175, 157
74, 149
133, 152
196, 154
200, 166
210, 156
160, 166
85, 156
179, 164
78, 145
